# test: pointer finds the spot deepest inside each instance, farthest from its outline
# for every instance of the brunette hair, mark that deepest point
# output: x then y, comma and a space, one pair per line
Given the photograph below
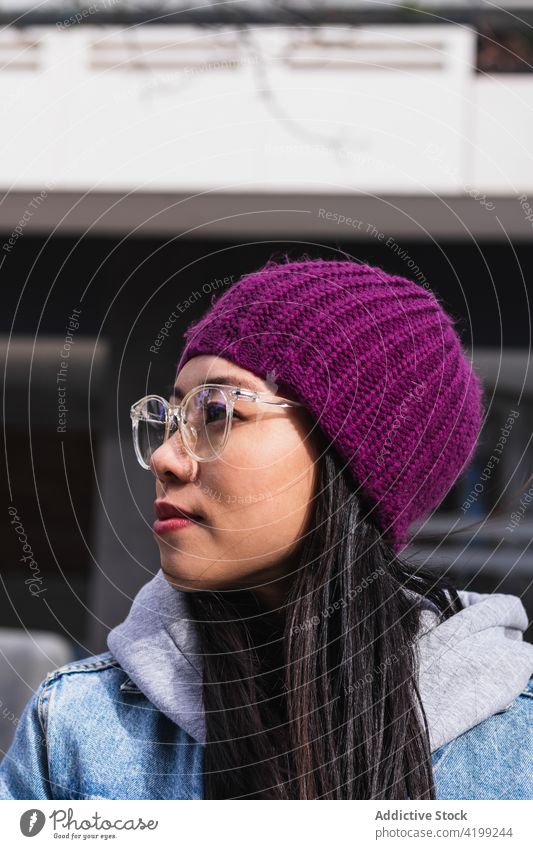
321, 702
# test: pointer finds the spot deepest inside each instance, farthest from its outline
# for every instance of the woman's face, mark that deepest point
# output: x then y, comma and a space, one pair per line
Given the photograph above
255, 500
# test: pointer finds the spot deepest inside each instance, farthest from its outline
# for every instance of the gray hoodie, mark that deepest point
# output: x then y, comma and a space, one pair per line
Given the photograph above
470, 667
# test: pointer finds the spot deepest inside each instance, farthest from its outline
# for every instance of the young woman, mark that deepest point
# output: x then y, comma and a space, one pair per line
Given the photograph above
286, 649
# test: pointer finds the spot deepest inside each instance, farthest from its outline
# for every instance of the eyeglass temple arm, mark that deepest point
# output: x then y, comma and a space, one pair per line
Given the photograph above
256, 397
281, 403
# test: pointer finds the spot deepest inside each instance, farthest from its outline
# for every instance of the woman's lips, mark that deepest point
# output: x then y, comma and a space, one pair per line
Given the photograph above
175, 523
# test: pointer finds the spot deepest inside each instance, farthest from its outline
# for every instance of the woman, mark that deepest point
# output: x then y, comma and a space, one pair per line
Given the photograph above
286, 649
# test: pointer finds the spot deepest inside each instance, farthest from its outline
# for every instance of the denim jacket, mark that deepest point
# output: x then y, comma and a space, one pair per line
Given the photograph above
89, 732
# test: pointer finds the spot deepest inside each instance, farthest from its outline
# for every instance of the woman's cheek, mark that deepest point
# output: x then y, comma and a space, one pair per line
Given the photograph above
284, 515
266, 485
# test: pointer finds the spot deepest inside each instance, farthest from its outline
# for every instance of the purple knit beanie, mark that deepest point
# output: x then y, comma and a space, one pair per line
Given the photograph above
377, 362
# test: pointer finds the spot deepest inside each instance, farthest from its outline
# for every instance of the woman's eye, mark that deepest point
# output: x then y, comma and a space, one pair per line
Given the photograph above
217, 413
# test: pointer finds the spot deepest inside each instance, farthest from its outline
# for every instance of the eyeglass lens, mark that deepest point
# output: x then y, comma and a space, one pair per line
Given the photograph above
205, 424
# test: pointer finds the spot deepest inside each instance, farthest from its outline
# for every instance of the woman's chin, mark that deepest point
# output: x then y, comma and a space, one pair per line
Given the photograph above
185, 580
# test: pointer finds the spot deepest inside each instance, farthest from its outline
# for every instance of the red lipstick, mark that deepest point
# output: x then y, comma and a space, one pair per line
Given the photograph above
172, 517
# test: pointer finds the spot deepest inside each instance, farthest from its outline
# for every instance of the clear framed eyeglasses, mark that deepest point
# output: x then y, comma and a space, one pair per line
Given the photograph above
204, 418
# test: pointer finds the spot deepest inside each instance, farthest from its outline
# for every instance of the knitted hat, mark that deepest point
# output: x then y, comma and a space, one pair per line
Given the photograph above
377, 362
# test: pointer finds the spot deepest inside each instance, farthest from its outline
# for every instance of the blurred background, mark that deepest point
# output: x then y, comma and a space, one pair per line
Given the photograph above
151, 153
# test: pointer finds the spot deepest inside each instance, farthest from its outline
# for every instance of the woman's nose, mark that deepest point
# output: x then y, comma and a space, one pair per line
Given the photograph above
171, 459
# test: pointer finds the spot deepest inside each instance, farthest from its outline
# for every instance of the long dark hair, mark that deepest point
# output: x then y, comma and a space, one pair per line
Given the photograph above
322, 700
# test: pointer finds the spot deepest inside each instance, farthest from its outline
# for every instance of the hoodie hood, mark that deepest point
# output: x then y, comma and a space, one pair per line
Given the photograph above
471, 666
